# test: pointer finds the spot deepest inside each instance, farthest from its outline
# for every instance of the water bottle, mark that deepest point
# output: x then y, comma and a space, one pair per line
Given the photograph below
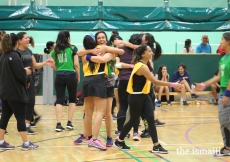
181, 101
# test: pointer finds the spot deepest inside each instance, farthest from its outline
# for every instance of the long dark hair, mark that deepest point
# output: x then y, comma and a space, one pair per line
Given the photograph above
113, 38
90, 43
187, 44
159, 71
151, 41
8, 42
48, 45
136, 39
62, 42
99, 33
138, 52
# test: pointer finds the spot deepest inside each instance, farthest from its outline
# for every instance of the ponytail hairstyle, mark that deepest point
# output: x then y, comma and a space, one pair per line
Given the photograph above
48, 45
151, 41
159, 72
14, 39
31, 41
138, 52
62, 42
90, 43
187, 44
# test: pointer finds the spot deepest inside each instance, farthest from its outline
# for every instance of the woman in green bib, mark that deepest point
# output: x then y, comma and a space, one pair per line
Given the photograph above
139, 99
67, 76
223, 102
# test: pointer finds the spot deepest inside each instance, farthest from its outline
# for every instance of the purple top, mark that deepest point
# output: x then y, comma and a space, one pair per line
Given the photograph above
126, 58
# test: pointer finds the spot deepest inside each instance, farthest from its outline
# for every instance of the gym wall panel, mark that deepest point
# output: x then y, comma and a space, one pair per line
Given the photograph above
72, 2
131, 14
132, 3
66, 13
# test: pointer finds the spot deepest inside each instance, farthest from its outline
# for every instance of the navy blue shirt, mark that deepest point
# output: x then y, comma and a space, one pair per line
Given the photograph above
177, 77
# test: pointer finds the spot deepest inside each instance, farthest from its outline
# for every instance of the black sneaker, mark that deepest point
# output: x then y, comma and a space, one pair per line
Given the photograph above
145, 134
36, 119
122, 145
158, 123
223, 152
159, 149
30, 132
185, 103
32, 125
169, 103
69, 126
193, 95
59, 128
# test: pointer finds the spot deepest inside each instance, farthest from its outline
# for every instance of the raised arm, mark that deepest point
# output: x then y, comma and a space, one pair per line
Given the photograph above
83, 51
144, 70
213, 80
100, 59
112, 50
121, 43
37, 65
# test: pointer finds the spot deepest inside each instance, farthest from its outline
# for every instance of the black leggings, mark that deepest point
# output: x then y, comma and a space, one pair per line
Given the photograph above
31, 103
18, 109
152, 96
63, 81
139, 103
123, 99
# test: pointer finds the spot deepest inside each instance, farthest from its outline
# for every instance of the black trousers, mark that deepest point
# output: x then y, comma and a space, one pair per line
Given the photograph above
139, 104
18, 109
31, 103
123, 99
63, 81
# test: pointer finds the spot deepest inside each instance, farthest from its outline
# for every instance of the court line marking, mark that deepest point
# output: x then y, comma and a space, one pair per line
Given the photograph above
163, 143
130, 155
189, 141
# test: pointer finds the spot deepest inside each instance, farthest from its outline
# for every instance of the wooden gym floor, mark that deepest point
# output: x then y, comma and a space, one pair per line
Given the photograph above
188, 131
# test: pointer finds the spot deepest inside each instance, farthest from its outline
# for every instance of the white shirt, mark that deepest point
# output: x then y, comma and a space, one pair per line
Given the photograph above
191, 50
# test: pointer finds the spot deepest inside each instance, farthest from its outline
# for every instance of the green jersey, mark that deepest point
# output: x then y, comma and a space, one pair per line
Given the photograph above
224, 71
64, 60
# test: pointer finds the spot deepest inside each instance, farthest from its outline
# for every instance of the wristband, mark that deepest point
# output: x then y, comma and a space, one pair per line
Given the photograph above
227, 93
203, 85
173, 84
118, 65
131, 66
88, 57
